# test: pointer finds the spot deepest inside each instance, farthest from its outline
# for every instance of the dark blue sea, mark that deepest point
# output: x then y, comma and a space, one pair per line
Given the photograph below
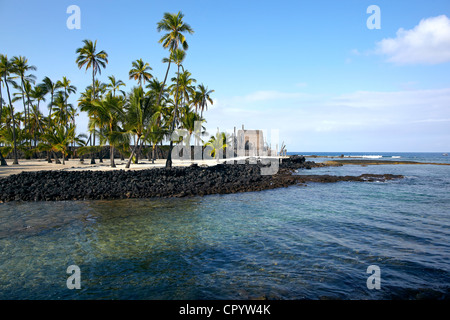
301, 242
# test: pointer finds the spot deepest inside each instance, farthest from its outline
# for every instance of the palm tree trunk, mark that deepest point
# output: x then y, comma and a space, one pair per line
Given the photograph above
93, 99
138, 150
66, 113
93, 144
28, 109
1, 103
37, 119
39, 125
2, 160
154, 152
101, 154
24, 106
93, 83
111, 156
56, 158
157, 104
49, 158
23, 102
169, 156
16, 160
50, 111
203, 107
164, 83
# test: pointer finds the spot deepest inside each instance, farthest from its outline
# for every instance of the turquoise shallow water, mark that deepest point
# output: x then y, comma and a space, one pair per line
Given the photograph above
292, 243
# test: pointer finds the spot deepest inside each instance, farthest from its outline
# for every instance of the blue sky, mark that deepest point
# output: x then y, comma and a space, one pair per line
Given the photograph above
310, 69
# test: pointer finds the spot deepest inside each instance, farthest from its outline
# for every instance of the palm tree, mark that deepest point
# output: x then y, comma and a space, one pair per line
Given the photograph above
155, 134
85, 103
115, 85
22, 67
58, 140
6, 68
186, 87
59, 108
110, 111
50, 87
196, 100
68, 89
7, 134
156, 131
154, 88
37, 93
192, 122
61, 114
141, 115
139, 72
204, 98
217, 142
135, 118
89, 57
1, 98
189, 120
175, 27
100, 89
2, 160
178, 57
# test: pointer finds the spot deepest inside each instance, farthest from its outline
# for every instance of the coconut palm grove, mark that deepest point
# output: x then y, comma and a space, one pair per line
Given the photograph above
130, 121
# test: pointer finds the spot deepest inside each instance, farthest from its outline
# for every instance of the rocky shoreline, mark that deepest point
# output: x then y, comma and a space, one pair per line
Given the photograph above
160, 182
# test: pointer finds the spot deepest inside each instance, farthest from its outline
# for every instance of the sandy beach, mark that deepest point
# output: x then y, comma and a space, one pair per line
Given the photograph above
75, 165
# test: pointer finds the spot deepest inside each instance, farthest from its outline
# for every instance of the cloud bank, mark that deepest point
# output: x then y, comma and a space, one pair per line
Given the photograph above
426, 43
410, 120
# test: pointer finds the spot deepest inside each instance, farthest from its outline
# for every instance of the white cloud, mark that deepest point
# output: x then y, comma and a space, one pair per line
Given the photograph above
426, 43
355, 52
301, 84
431, 120
397, 99
215, 104
271, 95
399, 120
408, 85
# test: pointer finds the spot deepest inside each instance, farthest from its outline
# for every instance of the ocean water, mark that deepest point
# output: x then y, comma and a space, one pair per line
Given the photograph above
438, 157
301, 242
